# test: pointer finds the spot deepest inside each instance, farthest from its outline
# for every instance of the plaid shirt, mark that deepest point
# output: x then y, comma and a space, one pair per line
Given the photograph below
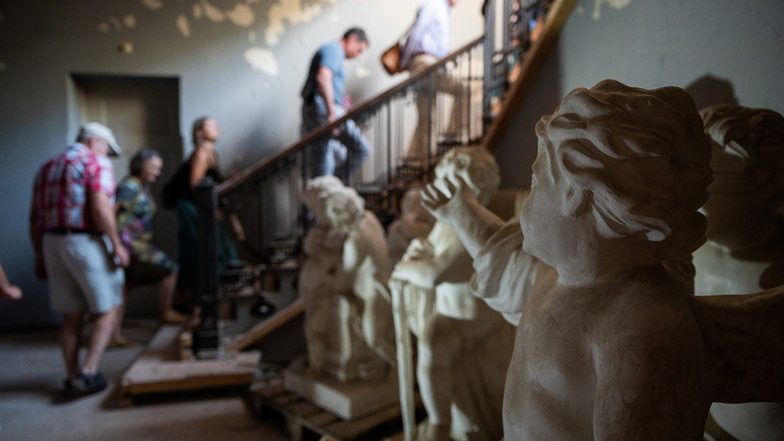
62, 185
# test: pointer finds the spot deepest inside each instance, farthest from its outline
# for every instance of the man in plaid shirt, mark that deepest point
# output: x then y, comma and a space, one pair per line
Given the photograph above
78, 250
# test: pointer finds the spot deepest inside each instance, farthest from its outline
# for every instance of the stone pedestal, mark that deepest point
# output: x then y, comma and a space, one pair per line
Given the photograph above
348, 400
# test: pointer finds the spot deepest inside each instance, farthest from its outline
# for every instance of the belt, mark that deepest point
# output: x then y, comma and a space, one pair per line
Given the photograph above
63, 231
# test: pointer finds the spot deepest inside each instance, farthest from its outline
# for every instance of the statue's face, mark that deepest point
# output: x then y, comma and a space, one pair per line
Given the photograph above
547, 230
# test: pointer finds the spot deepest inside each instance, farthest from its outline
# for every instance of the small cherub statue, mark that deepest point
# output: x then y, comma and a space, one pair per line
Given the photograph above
745, 248
414, 221
463, 347
348, 316
611, 345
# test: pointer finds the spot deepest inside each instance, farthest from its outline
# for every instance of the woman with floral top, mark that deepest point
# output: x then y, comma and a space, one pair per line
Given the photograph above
135, 210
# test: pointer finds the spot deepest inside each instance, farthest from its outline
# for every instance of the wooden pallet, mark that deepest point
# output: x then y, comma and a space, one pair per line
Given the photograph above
300, 414
159, 369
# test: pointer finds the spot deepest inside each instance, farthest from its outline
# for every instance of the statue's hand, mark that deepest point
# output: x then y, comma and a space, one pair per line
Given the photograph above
449, 203
416, 266
435, 199
417, 272
418, 249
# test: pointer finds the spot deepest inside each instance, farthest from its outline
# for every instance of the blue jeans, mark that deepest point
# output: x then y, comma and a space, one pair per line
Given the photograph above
340, 155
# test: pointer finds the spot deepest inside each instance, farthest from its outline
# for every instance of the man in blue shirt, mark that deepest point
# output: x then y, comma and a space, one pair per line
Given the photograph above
323, 97
428, 41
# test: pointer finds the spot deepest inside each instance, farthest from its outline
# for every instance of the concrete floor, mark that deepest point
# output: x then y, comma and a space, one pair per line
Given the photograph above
31, 374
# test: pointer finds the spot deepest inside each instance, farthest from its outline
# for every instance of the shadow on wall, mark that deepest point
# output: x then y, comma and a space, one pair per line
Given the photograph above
710, 91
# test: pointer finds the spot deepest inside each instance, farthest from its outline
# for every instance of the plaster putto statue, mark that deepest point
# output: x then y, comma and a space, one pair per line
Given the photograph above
463, 347
414, 221
745, 248
343, 283
610, 343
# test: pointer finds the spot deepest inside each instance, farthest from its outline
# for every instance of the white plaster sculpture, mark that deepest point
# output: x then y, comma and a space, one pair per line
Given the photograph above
414, 221
745, 248
463, 347
348, 316
610, 344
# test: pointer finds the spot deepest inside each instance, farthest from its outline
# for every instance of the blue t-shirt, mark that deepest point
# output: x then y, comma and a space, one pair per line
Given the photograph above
332, 56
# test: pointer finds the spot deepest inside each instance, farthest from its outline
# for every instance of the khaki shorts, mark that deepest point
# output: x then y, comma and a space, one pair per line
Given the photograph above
81, 274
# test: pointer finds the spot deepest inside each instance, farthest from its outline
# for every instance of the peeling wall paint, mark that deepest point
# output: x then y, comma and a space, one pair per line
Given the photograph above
281, 14
183, 25
152, 4
129, 21
292, 11
118, 24
616, 4
262, 60
242, 15
112, 23
212, 12
272, 24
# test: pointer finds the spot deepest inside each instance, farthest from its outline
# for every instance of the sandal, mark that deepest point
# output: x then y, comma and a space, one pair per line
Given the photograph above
84, 384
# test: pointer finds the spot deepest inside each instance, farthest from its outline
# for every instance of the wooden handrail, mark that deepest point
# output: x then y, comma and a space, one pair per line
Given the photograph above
247, 174
556, 17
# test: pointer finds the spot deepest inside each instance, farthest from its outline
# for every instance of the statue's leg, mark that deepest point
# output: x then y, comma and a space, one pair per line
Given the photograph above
315, 334
378, 328
438, 349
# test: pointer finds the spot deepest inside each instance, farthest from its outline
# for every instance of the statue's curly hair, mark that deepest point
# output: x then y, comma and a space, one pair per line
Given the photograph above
636, 160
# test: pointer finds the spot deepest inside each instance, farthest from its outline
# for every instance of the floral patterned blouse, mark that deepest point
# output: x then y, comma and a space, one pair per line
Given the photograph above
135, 210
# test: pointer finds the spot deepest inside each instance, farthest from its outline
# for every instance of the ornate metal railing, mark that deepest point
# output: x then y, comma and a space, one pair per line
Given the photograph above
266, 197
458, 98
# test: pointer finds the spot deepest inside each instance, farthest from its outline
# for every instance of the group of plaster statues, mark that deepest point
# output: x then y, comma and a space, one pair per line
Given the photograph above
577, 319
